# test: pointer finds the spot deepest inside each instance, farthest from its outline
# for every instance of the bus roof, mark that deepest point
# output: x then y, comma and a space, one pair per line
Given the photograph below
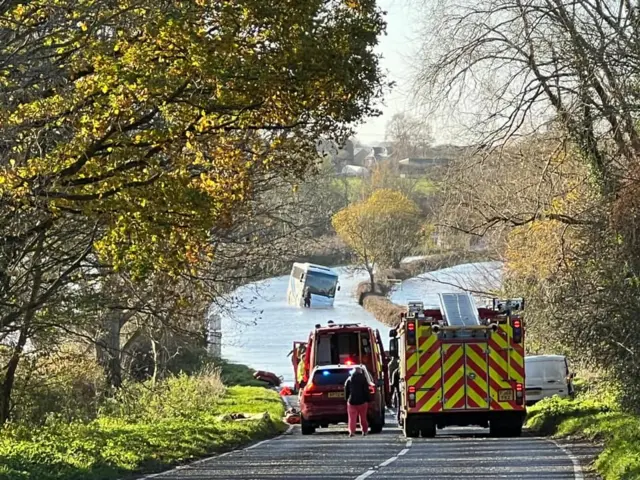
317, 268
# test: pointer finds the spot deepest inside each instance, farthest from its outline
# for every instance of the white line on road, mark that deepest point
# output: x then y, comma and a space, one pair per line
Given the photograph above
366, 474
202, 460
388, 461
577, 468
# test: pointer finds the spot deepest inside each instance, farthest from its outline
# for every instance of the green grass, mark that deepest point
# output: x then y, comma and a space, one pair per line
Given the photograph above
236, 374
596, 420
119, 446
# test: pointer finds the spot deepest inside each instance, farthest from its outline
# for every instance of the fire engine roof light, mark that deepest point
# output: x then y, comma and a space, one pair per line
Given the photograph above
348, 362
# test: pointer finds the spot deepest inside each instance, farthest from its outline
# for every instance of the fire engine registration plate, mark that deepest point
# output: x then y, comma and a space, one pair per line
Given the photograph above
336, 394
505, 395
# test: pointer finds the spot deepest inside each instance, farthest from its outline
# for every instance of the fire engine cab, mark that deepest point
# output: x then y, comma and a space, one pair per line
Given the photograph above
461, 365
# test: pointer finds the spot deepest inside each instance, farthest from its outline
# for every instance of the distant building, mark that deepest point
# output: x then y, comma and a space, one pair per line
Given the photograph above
435, 158
355, 171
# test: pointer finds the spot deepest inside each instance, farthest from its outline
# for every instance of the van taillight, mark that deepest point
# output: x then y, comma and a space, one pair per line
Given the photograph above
412, 397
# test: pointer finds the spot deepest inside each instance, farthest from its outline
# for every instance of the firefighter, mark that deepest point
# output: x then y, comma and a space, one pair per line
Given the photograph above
301, 370
307, 297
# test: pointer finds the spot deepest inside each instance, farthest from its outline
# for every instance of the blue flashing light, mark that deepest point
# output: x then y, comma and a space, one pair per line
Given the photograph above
326, 372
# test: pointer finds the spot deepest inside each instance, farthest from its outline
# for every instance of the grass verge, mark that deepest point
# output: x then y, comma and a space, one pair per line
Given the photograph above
150, 439
597, 421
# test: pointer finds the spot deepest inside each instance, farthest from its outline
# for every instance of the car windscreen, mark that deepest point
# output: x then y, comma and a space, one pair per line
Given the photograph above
546, 370
321, 283
333, 376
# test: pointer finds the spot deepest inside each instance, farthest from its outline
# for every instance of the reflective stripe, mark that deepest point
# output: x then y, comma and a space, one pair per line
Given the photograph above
453, 376
476, 375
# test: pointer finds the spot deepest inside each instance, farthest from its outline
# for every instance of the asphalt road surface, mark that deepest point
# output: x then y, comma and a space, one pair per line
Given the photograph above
455, 453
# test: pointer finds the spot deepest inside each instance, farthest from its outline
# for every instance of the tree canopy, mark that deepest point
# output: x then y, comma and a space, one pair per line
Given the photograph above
135, 137
381, 230
158, 118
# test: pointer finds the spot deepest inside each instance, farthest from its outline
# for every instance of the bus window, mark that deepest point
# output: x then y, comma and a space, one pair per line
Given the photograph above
321, 283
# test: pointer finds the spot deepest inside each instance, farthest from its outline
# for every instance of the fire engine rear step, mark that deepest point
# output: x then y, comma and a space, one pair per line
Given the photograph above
459, 309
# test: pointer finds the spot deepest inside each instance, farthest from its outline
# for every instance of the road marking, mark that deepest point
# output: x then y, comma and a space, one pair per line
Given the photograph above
388, 461
202, 460
256, 445
577, 468
366, 474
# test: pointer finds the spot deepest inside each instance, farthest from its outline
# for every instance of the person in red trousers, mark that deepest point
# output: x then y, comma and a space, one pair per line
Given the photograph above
356, 393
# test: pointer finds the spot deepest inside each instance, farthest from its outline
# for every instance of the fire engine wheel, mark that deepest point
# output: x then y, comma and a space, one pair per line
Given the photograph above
410, 428
307, 427
428, 430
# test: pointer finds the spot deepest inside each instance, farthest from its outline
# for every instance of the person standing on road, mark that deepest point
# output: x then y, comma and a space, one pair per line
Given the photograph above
356, 393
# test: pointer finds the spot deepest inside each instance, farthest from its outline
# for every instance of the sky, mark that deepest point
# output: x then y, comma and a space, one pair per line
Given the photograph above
399, 56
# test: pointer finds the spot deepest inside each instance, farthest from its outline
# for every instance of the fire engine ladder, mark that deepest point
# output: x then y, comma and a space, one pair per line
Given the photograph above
459, 309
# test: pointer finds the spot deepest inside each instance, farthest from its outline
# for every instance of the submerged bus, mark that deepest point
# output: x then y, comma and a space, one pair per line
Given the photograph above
322, 283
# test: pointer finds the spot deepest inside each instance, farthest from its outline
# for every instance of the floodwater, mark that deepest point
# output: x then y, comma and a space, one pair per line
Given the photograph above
260, 328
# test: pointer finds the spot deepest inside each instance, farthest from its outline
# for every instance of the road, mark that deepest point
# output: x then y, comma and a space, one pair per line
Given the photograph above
456, 453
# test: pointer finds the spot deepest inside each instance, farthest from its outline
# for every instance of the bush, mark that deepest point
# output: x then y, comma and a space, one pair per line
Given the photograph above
594, 419
140, 437
66, 384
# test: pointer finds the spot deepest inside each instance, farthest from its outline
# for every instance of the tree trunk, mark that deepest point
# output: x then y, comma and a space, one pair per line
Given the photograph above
371, 279
108, 349
6, 389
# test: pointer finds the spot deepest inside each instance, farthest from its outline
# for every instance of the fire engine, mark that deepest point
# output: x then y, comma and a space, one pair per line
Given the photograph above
461, 365
343, 344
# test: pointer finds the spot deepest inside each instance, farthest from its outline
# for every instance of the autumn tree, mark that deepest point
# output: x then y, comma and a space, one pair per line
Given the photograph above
131, 132
381, 230
409, 136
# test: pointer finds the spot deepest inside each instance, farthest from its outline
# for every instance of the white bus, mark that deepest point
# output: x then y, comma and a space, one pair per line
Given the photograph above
322, 283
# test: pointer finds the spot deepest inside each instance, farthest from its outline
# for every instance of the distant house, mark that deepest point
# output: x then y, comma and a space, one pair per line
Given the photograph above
355, 171
381, 154
365, 157
435, 158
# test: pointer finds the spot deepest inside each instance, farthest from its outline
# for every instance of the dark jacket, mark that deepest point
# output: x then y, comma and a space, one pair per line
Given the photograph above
356, 389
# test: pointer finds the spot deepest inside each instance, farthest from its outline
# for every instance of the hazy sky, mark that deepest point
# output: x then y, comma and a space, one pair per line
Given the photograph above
398, 49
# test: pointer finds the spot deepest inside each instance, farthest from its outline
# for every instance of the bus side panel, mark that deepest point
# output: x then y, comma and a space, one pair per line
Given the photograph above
294, 291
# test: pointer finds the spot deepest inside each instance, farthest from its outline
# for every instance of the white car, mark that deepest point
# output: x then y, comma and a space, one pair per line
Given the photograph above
546, 376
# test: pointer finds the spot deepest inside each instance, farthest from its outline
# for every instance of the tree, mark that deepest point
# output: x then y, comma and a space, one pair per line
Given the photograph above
408, 135
130, 133
381, 230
